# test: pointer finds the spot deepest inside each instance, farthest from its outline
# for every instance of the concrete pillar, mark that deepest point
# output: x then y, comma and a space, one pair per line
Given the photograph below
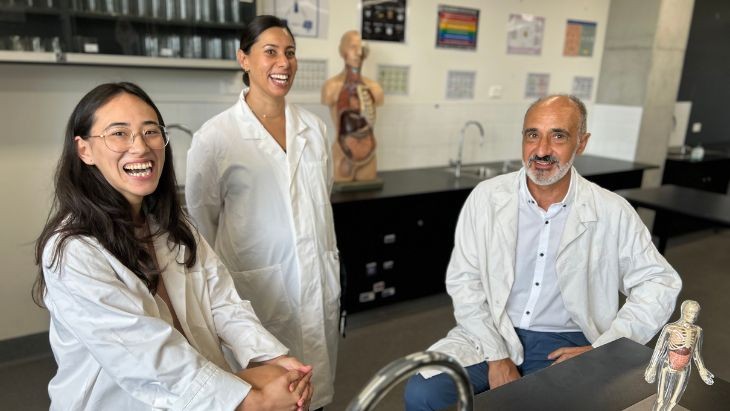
642, 66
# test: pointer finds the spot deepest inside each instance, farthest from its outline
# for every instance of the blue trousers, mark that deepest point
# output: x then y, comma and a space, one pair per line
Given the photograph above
439, 391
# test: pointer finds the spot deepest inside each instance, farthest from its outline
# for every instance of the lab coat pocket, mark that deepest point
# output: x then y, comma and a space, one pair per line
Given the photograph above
265, 289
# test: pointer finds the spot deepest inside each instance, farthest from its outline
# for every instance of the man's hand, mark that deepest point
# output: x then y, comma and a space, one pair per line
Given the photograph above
565, 353
501, 372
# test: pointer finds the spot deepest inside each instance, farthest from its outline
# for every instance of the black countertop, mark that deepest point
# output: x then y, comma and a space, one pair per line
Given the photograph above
608, 378
400, 183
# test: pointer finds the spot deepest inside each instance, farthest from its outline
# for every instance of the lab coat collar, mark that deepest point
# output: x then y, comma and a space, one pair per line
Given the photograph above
295, 130
582, 213
295, 140
505, 200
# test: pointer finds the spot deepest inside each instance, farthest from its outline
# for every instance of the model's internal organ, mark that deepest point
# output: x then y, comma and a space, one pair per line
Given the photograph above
680, 353
356, 108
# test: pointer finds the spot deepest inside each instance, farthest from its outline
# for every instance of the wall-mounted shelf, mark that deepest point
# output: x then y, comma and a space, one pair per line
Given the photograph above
27, 56
73, 32
143, 61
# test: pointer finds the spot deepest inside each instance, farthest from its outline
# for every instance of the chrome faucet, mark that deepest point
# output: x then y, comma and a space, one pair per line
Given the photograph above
400, 369
457, 163
181, 127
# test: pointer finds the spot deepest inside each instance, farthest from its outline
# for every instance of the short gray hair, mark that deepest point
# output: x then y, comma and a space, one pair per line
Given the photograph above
583, 125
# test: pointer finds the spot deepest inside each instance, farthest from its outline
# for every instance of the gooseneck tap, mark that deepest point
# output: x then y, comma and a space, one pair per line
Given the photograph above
457, 162
400, 369
181, 127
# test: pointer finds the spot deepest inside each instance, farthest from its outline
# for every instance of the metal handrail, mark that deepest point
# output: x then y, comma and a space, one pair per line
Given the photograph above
400, 369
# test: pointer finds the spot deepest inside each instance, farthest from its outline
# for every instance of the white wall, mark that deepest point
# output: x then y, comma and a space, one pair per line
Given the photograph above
413, 131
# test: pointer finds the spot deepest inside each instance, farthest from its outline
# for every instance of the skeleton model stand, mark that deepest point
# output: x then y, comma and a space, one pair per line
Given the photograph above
678, 344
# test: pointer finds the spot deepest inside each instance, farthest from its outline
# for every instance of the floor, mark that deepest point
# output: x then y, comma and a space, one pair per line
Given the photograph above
377, 337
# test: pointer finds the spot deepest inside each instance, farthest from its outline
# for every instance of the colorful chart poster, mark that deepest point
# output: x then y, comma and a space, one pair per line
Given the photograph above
580, 36
384, 20
537, 85
457, 27
524, 34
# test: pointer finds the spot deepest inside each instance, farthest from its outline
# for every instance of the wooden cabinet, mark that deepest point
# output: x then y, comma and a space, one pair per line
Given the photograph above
395, 248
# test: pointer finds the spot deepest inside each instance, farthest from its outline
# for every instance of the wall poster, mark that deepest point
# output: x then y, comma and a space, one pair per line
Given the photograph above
460, 85
524, 34
457, 27
580, 36
582, 87
384, 20
306, 18
537, 85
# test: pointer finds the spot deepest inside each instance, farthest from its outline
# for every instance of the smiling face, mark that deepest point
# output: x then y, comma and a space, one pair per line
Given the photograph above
136, 172
551, 139
271, 62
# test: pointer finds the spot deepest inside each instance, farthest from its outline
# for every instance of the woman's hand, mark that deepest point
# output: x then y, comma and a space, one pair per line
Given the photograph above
275, 388
291, 363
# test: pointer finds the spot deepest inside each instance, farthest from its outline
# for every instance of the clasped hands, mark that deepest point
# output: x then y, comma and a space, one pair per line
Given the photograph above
282, 383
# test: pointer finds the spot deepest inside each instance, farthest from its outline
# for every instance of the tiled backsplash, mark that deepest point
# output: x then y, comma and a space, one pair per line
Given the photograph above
425, 135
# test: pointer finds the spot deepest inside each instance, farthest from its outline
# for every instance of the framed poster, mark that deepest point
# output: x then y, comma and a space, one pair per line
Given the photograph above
524, 34
460, 85
582, 87
537, 85
580, 36
457, 27
384, 20
305, 18
394, 79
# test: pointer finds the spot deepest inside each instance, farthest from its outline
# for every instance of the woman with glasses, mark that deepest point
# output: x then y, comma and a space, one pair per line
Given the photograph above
258, 182
139, 303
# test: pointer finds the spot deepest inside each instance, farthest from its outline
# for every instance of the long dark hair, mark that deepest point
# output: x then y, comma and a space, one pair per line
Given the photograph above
85, 204
253, 30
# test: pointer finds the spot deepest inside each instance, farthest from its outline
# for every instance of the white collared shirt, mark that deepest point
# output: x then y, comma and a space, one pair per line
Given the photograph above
535, 302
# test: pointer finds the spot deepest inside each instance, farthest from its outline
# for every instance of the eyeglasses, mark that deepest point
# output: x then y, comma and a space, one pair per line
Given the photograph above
121, 139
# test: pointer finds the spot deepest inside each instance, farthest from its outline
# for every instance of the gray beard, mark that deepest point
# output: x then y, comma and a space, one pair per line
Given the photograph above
537, 178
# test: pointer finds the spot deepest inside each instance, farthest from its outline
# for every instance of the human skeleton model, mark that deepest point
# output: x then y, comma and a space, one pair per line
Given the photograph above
678, 343
352, 99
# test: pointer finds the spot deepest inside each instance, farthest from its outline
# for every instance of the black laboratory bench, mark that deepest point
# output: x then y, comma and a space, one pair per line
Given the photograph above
395, 242
711, 173
608, 378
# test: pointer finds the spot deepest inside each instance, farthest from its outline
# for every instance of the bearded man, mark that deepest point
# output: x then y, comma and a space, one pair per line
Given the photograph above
540, 257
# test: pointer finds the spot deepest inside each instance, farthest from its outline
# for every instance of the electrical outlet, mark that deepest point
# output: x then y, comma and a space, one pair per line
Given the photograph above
495, 91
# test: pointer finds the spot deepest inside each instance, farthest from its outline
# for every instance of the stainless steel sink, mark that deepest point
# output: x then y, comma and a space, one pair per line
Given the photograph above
483, 172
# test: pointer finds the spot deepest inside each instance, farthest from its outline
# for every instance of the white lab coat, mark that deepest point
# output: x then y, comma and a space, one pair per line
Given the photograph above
268, 214
605, 249
115, 352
